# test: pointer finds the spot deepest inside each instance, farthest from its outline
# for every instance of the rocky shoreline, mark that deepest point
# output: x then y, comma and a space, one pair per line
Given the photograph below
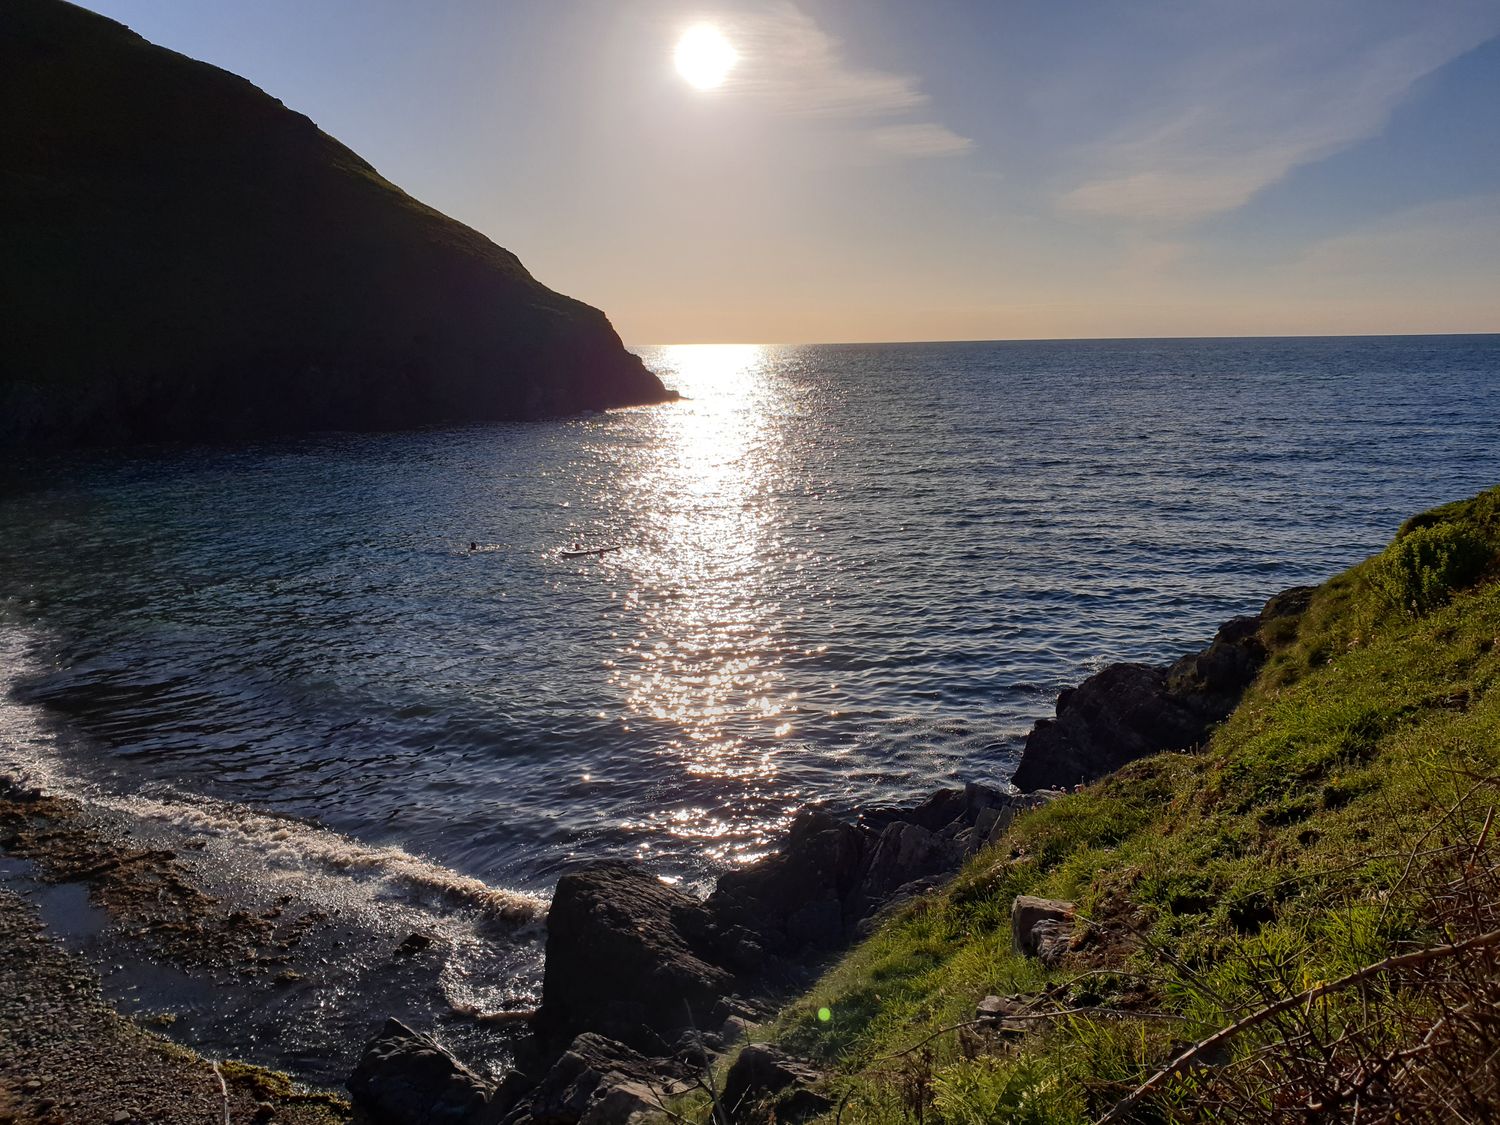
645, 986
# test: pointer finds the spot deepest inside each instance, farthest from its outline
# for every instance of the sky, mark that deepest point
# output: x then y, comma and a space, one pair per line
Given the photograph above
926, 169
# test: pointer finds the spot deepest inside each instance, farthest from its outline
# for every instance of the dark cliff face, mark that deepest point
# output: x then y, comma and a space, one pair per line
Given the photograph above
181, 256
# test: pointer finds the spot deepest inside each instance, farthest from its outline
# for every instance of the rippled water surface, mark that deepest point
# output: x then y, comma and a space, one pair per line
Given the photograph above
842, 573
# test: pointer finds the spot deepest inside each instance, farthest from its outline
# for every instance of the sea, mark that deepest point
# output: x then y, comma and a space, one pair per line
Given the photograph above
373, 672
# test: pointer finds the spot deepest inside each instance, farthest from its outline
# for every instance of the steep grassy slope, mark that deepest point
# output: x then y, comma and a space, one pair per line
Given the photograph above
1298, 847
182, 256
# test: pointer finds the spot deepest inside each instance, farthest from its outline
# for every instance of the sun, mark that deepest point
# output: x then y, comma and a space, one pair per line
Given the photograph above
704, 57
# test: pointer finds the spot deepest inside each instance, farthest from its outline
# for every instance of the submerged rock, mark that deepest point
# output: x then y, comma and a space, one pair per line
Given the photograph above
407, 1078
185, 257
1127, 711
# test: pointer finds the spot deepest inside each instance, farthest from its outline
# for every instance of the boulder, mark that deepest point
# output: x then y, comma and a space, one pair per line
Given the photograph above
1127, 711
761, 1073
795, 899
407, 1078
1115, 716
1042, 927
637, 961
597, 1081
631, 958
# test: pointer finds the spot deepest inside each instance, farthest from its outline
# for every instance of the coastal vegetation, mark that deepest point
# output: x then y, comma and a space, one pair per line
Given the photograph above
1247, 896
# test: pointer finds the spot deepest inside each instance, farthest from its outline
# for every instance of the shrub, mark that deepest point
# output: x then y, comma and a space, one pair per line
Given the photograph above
1421, 569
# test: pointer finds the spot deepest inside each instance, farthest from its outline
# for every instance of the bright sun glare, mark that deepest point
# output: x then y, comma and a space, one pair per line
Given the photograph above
704, 57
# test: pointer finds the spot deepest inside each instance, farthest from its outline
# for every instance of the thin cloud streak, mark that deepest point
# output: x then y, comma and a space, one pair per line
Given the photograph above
1255, 114
792, 67
919, 140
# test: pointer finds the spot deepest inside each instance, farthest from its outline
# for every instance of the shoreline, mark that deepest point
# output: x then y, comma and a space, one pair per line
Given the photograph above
66, 1054
902, 853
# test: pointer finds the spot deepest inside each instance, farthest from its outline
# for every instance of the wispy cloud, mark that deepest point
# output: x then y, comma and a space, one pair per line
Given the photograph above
792, 67
921, 139
1239, 118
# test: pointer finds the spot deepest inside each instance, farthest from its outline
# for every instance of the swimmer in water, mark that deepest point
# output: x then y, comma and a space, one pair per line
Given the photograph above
473, 546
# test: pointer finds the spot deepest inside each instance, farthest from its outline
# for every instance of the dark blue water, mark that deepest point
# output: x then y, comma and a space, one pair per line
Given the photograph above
843, 573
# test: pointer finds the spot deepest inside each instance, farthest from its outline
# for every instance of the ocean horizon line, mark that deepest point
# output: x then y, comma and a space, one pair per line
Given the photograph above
1054, 340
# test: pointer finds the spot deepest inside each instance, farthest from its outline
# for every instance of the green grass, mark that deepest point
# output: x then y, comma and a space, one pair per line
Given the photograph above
1252, 869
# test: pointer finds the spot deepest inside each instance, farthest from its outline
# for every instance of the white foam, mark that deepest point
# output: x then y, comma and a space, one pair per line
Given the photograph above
264, 855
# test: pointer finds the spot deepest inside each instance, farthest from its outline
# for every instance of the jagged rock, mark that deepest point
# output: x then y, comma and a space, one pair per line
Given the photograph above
761, 1072
633, 959
905, 852
630, 958
597, 1081
1115, 716
1042, 927
1127, 711
407, 1078
794, 899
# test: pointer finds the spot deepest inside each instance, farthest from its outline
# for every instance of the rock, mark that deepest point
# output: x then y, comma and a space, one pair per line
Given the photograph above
630, 958
794, 899
736, 1030
414, 943
761, 1072
186, 258
999, 1013
406, 1078
939, 810
905, 852
597, 1081
1115, 716
1127, 711
1042, 927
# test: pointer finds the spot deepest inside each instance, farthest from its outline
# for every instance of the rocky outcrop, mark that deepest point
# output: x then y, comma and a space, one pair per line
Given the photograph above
636, 960
762, 1075
1128, 711
598, 1082
633, 959
832, 874
184, 257
406, 1078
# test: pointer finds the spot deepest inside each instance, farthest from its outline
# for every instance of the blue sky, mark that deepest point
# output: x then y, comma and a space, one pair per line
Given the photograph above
948, 169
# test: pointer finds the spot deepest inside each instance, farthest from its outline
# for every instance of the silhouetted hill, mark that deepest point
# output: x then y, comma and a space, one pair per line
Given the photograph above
181, 256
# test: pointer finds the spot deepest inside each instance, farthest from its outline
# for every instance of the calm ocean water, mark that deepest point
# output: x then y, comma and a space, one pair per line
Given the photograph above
843, 573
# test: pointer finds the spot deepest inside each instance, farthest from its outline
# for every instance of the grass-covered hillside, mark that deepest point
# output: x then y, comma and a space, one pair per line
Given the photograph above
1336, 819
182, 256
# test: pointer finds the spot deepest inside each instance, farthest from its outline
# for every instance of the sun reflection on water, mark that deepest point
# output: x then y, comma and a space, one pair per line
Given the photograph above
705, 660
